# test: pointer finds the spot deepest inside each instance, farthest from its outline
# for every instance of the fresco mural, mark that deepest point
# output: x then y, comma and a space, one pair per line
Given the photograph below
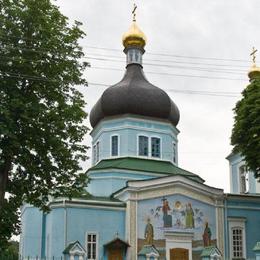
176, 213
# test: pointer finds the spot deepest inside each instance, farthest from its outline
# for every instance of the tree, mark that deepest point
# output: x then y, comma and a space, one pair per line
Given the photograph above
246, 130
41, 110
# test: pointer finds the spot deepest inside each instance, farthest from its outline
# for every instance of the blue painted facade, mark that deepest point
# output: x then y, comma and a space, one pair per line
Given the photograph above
128, 128
121, 201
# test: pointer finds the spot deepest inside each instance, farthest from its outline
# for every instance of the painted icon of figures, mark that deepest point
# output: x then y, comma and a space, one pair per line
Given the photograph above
167, 219
207, 235
189, 216
148, 233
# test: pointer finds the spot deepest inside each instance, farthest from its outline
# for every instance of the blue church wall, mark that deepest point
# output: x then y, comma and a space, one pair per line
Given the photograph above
128, 130
176, 213
235, 181
236, 161
54, 241
112, 181
31, 237
250, 211
106, 223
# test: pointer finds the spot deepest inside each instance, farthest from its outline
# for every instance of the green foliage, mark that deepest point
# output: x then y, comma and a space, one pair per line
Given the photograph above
246, 130
11, 252
41, 112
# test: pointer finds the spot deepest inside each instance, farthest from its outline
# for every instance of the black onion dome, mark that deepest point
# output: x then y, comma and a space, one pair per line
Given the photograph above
134, 95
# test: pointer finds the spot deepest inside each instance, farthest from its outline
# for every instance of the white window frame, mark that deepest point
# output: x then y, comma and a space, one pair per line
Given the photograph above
148, 152
237, 223
96, 152
77, 252
118, 145
246, 176
158, 137
152, 254
97, 244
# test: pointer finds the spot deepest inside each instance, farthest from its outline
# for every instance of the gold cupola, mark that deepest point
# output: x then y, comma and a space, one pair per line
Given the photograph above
254, 72
134, 36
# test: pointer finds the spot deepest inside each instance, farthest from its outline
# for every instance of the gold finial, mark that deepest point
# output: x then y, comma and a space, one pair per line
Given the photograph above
254, 72
253, 55
134, 36
134, 12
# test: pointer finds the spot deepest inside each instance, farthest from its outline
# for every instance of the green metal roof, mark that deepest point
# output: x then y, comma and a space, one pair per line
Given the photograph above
71, 245
210, 250
148, 249
144, 165
257, 247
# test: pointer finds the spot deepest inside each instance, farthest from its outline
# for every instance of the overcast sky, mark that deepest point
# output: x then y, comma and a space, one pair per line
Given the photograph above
222, 30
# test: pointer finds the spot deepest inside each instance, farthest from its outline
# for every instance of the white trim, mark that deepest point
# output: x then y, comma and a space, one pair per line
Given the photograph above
132, 118
118, 145
237, 223
128, 171
243, 207
169, 182
97, 244
114, 177
240, 164
95, 158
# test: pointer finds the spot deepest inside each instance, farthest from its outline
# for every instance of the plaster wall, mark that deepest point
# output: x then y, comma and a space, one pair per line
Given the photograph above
55, 232
107, 224
31, 236
128, 130
236, 161
251, 212
106, 183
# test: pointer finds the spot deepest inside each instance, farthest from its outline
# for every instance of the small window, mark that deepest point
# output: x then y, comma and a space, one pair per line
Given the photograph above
114, 145
156, 147
143, 145
92, 246
174, 153
94, 153
97, 153
237, 242
244, 183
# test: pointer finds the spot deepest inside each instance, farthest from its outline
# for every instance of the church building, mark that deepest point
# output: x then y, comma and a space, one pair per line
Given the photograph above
141, 204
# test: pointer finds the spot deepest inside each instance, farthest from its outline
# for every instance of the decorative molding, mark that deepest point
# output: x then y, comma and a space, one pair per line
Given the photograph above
126, 171
172, 185
131, 118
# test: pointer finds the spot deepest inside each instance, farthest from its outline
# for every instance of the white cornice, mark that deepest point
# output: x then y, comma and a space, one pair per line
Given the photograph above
97, 171
102, 128
152, 188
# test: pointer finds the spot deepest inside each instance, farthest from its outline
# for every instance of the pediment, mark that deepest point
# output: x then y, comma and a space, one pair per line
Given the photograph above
170, 185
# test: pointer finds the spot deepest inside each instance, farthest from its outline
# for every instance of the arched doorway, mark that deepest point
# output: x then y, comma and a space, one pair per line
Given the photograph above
179, 254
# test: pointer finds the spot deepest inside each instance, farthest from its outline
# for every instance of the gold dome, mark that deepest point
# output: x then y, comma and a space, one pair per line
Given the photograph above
134, 37
254, 72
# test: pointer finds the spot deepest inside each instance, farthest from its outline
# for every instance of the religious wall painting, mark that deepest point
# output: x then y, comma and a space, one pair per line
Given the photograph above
177, 212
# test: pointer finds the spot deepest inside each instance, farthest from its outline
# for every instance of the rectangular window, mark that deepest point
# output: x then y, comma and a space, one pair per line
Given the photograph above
94, 153
156, 147
143, 145
237, 242
174, 153
114, 145
97, 152
92, 246
237, 237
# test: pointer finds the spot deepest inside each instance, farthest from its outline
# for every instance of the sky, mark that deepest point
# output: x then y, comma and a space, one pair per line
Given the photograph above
198, 51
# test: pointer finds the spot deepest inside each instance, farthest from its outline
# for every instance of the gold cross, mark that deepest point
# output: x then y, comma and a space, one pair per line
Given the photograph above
253, 54
134, 13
